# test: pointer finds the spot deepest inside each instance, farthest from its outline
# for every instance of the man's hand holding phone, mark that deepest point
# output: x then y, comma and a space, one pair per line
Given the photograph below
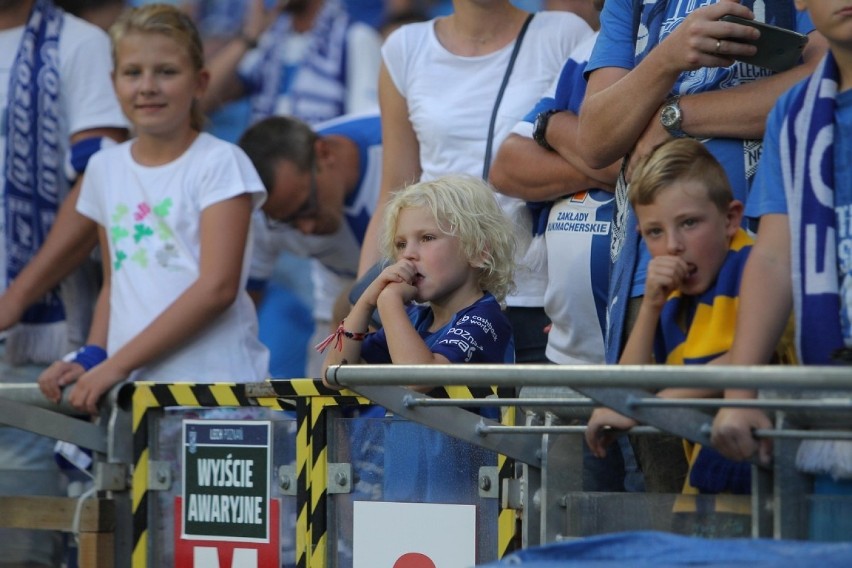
778, 49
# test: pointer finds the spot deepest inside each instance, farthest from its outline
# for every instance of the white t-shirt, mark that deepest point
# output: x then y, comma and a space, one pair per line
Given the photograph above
86, 100
152, 216
577, 239
450, 100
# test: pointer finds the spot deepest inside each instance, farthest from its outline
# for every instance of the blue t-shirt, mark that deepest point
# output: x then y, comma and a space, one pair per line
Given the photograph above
587, 241
479, 333
421, 463
365, 130
768, 194
619, 46
615, 48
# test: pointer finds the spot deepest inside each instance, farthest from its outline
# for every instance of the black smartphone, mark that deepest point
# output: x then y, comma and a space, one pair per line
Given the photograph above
778, 49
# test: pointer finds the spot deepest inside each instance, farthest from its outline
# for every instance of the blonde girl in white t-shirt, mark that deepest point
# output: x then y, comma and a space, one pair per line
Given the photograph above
173, 205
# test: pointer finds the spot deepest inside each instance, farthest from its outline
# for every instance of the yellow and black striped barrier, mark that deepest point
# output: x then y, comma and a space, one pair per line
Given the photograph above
309, 399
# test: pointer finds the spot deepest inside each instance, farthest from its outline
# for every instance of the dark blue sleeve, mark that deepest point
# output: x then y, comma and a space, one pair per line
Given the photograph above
374, 350
256, 285
480, 334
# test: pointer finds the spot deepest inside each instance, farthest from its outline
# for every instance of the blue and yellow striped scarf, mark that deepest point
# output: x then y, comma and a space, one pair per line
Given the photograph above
694, 331
708, 324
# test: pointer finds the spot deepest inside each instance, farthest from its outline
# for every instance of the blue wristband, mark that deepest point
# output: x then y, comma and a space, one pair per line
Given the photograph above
78, 155
89, 356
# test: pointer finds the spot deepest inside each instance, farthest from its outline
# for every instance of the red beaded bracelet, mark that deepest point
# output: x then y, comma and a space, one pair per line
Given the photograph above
337, 338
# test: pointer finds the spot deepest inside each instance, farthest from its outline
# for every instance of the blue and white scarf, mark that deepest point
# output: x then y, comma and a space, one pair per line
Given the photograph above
318, 91
806, 146
807, 157
34, 185
624, 256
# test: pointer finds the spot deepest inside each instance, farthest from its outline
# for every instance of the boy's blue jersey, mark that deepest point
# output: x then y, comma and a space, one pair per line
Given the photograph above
479, 333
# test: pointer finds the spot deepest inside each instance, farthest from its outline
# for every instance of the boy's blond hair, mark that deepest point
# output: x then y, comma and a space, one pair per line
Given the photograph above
682, 159
463, 207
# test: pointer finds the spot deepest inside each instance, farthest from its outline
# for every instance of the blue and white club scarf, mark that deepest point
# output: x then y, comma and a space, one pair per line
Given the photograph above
318, 90
807, 157
33, 183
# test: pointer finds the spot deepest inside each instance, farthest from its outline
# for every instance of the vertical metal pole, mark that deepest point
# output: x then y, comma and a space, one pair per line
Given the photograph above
318, 448
506, 519
531, 488
143, 400
762, 502
561, 473
791, 489
120, 450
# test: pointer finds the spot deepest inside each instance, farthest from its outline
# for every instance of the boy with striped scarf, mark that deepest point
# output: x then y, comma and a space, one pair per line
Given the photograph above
689, 219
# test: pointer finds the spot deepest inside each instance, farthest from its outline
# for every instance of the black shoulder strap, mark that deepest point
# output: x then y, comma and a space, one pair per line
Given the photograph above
490, 140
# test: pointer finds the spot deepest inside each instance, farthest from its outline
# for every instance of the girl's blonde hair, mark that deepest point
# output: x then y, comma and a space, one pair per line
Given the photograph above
464, 207
171, 22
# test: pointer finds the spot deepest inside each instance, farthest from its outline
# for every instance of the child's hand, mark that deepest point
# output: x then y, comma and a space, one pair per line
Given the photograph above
665, 275
604, 426
402, 291
58, 375
92, 385
732, 434
401, 272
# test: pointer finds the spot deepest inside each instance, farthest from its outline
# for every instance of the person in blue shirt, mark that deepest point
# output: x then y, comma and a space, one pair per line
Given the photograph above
302, 58
802, 196
689, 218
572, 208
452, 251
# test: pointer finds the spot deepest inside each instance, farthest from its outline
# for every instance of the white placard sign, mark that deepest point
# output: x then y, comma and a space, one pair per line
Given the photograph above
413, 535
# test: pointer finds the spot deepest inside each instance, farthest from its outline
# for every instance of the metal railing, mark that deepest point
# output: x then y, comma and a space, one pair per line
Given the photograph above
813, 402
807, 403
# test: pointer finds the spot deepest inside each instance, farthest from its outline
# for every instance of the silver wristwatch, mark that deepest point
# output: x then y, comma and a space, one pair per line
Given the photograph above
671, 117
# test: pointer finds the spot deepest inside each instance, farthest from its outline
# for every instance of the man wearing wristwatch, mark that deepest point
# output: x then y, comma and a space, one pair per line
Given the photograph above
671, 117
679, 77
539, 133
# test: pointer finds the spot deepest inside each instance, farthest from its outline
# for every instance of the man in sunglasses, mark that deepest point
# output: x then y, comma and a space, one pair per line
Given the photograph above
323, 185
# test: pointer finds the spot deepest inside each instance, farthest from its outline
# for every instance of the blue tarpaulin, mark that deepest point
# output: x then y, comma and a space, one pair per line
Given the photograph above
648, 549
